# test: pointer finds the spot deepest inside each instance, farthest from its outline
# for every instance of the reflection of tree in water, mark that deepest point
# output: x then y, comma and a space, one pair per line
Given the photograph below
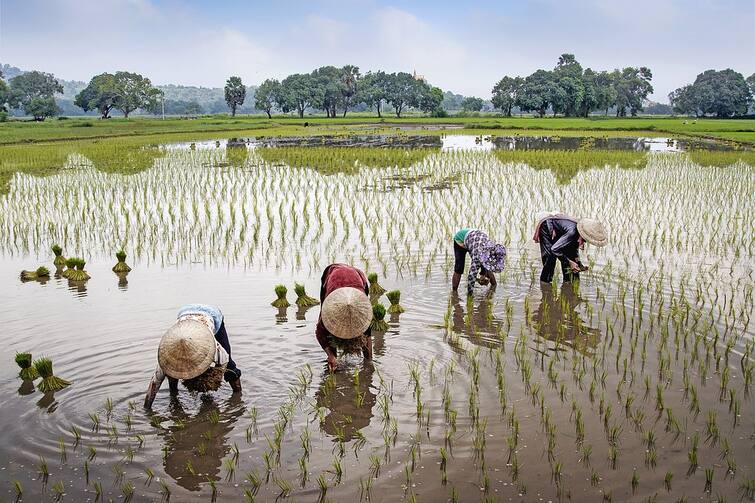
557, 319
349, 399
199, 441
477, 321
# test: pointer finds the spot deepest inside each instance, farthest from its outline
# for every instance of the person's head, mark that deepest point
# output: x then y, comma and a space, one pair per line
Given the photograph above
346, 312
592, 231
186, 349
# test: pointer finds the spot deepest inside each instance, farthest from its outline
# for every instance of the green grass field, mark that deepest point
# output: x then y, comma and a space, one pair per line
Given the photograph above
16, 132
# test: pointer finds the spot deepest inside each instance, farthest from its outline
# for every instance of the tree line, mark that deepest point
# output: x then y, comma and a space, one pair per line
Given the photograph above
572, 91
567, 90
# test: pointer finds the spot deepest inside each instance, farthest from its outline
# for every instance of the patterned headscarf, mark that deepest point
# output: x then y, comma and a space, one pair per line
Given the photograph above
493, 257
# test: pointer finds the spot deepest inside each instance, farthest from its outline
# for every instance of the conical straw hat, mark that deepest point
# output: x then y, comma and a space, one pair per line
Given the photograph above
592, 231
186, 350
346, 312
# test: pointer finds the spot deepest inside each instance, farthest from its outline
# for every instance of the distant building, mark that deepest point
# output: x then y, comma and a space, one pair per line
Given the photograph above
419, 77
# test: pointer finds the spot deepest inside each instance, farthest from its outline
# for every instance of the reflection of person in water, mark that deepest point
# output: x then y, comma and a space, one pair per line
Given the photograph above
195, 446
556, 318
475, 321
349, 403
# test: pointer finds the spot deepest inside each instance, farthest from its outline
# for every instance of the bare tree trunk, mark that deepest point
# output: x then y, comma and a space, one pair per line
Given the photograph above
268, 114
377, 106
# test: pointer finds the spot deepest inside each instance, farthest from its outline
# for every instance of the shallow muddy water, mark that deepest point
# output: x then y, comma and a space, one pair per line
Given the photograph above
527, 393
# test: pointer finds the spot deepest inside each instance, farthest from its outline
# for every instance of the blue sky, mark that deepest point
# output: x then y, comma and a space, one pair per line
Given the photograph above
460, 46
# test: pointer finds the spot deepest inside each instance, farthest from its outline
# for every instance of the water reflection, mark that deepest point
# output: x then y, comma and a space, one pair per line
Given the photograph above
477, 321
349, 398
557, 318
26, 388
196, 445
48, 402
78, 287
122, 280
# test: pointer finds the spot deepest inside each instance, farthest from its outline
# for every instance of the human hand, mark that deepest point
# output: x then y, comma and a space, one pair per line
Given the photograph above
574, 266
483, 280
332, 363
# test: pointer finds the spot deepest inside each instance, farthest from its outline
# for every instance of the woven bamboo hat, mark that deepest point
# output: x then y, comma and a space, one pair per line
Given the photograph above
346, 312
186, 350
592, 231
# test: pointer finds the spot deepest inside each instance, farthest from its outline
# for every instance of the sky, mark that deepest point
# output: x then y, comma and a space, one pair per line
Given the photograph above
462, 46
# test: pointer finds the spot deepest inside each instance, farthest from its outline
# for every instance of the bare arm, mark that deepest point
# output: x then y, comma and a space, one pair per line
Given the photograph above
154, 386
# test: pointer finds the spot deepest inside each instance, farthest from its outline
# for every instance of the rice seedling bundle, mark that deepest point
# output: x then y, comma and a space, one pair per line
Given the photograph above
281, 301
28, 372
348, 346
395, 297
302, 299
70, 267
78, 273
60, 260
49, 381
209, 380
40, 272
121, 265
375, 289
378, 323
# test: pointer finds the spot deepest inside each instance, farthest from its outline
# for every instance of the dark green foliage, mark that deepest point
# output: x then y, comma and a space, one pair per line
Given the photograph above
721, 93
235, 93
34, 92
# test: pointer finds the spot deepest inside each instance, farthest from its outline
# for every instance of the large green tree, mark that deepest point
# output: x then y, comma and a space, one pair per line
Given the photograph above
568, 86
505, 93
135, 92
430, 99
235, 93
266, 96
297, 93
632, 89
374, 90
538, 93
35, 93
403, 91
100, 94
4, 94
472, 104
350, 78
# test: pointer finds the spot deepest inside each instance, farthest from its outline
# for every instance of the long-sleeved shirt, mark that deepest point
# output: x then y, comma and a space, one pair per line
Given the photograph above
475, 242
564, 236
333, 277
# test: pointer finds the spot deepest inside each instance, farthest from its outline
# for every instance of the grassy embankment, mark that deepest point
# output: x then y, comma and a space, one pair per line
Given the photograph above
129, 146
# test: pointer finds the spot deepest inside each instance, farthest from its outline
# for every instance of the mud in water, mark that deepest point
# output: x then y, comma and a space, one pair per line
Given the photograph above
530, 392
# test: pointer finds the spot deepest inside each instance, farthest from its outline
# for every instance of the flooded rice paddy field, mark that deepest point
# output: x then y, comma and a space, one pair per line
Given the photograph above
635, 385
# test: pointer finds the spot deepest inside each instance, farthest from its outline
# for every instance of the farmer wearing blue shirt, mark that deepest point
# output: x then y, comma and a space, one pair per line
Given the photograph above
196, 350
487, 256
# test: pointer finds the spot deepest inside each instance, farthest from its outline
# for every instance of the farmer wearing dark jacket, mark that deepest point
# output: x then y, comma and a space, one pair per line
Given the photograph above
561, 237
196, 350
487, 258
346, 311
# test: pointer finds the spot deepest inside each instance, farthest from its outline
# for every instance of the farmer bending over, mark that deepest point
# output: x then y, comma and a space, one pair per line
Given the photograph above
561, 237
196, 350
487, 258
346, 312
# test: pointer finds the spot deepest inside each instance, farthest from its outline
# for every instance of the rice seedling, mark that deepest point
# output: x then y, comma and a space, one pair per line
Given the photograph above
28, 372
58, 491
284, 486
394, 296
635, 481
98, 491
323, 486
375, 289
164, 492
302, 299
40, 273
59, 260
378, 323
128, 491
150, 473
281, 301
121, 266
49, 381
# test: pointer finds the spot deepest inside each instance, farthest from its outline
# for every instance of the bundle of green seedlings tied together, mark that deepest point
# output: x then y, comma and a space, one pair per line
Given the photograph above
39, 273
60, 260
378, 323
75, 271
121, 266
348, 346
28, 372
281, 301
375, 289
209, 380
49, 382
395, 297
302, 299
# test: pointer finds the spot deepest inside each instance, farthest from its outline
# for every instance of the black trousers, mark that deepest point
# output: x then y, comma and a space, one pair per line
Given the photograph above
460, 258
549, 260
232, 372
